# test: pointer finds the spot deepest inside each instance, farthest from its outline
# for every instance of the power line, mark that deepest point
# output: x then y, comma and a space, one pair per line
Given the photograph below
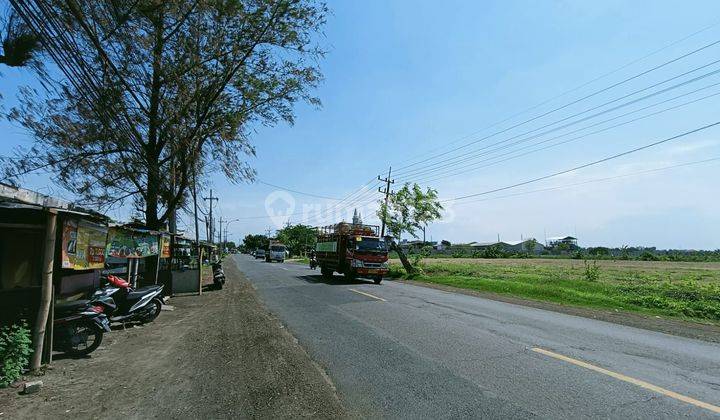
637, 149
595, 93
465, 157
474, 166
576, 88
362, 190
296, 191
590, 181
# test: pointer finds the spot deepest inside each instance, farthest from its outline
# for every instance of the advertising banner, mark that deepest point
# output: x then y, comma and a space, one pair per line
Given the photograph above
165, 246
83, 245
122, 243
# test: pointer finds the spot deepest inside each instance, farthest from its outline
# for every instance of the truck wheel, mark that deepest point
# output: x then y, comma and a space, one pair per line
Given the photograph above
377, 280
326, 272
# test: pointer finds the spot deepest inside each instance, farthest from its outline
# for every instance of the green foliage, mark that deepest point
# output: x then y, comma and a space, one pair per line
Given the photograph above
253, 242
298, 238
409, 210
459, 253
530, 245
494, 251
649, 256
592, 271
424, 252
15, 350
599, 251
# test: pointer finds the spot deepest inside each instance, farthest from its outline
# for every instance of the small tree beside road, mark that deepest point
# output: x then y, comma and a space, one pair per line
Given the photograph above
297, 238
408, 211
253, 242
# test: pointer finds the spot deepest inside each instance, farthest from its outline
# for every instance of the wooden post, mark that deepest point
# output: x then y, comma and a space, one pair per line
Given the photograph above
46, 293
200, 255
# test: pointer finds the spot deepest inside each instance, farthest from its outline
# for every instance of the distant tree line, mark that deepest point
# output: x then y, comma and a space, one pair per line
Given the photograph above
598, 253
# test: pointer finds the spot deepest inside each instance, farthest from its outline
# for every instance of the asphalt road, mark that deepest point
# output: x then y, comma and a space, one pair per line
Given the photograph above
403, 351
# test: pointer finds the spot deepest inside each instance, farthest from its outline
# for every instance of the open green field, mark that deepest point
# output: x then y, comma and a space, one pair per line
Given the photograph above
676, 289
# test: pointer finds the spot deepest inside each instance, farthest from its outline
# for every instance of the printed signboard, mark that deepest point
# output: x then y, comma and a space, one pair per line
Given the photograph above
83, 245
165, 246
122, 243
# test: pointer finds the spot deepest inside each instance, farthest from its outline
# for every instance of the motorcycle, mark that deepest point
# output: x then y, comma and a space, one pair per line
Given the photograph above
143, 304
218, 275
79, 325
313, 262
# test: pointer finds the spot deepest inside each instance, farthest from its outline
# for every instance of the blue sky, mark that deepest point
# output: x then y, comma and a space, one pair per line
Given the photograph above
408, 78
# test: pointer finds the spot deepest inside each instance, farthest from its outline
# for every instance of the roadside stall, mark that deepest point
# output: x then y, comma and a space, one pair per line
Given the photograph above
186, 266
50, 250
132, 253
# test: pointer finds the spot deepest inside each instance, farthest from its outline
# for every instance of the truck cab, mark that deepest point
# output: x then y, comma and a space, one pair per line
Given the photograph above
353, 250
259, 254
276, 252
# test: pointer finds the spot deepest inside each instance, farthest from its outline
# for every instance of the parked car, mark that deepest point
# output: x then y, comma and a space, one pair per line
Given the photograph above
259, 254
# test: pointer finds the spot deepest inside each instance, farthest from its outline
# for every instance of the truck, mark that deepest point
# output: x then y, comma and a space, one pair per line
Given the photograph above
355, 250
275, 251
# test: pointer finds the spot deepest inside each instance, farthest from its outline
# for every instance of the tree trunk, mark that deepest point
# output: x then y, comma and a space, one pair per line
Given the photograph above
403, 258
153, 148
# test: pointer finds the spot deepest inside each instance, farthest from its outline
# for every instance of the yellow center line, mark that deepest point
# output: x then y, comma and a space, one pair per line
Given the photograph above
628, 379
368, 295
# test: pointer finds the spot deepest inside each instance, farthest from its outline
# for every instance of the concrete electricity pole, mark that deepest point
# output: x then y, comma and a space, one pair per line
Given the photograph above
211, 238
387, 182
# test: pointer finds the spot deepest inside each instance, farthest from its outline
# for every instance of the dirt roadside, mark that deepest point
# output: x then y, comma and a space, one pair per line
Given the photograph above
219, 355
688, 329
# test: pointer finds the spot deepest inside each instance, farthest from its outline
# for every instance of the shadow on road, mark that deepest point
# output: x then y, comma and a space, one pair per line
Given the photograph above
334, 280
63, 356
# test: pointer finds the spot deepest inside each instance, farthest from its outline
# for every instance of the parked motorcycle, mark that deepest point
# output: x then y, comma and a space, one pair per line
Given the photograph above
143, 304
218, 275
79, 325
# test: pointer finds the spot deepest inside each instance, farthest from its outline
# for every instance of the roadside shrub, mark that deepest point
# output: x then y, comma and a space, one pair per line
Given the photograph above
424, 252
577, 255
15, 350
493, 251
649, 256
458, 254
592, 271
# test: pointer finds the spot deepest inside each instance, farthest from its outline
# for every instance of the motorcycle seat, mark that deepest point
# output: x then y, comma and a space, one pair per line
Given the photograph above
137, 294
71, 306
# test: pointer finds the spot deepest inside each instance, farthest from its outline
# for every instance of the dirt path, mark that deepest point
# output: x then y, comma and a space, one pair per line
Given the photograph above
220, 355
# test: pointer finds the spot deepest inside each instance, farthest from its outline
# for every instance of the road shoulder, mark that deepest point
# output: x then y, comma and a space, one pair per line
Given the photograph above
219, 355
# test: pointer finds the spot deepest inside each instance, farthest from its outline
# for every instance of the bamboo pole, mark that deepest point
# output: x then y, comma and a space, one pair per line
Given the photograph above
46, 293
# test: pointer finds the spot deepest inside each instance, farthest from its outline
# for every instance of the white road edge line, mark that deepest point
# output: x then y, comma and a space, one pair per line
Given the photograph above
368, 295
628, 379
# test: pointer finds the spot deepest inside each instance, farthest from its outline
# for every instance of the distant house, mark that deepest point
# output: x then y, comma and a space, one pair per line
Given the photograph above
510, 246
553, 242
440, 246
523, 245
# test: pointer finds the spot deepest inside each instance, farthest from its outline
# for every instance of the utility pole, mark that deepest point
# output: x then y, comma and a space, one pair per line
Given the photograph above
267, 231
197, 229
212, 226
387, 182
220, 233
207, 229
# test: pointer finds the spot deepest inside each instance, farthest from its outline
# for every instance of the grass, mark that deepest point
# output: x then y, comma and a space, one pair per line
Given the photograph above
299, 260
686, 290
